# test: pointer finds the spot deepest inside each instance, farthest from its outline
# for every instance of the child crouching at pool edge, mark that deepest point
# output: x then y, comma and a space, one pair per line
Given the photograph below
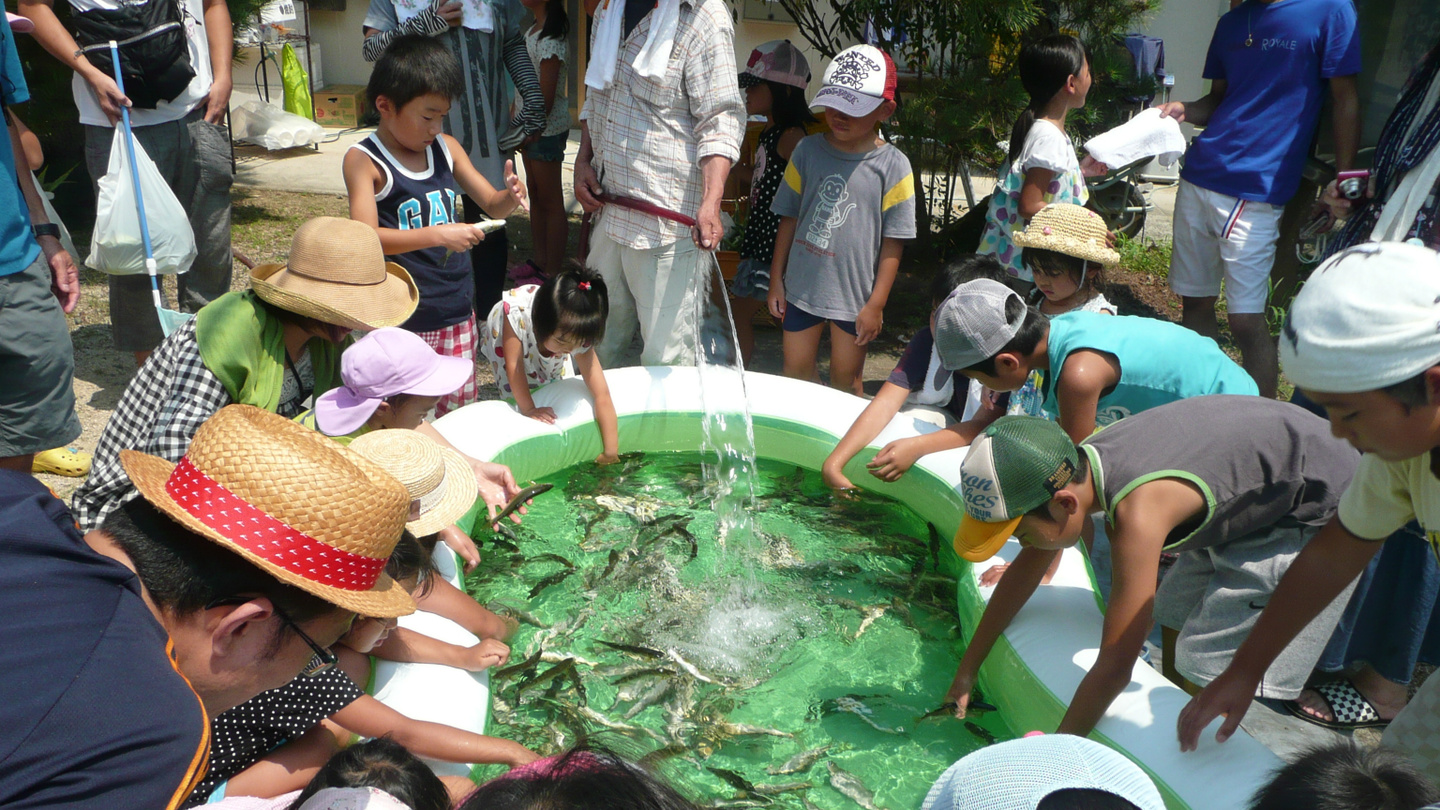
539, 333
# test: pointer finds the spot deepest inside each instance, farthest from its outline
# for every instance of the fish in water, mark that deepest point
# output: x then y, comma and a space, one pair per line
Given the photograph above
659, 755
643, 652
563, 669
860, 710
979, 731
946, 709
517, 614
549, 557
772, 788
747, 730
528, 664
688, 667
869, 614
733, 779
554, 579
650, 698
850, 786
799, 763
640, 507
520, 500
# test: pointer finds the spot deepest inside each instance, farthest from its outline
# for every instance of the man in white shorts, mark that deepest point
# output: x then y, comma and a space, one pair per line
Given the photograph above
1268, 64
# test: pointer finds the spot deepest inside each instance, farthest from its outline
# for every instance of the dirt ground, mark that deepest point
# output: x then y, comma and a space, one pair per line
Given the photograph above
264, 221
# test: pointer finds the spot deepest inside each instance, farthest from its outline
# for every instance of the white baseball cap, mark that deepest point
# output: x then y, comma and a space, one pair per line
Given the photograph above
857, 81
1018, 774
1368, 318
970, 324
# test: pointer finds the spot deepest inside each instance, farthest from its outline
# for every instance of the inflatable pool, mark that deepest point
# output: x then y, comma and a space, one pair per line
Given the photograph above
1035, 667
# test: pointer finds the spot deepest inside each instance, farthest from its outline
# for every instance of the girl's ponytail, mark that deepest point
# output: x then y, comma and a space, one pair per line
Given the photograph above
573, 303
1045, 66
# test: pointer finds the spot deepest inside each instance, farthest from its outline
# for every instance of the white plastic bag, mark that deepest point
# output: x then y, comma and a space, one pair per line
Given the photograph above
117, 247
271, 127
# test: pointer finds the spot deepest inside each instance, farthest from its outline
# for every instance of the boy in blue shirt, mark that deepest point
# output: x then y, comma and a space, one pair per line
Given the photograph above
1268, 64
402, 182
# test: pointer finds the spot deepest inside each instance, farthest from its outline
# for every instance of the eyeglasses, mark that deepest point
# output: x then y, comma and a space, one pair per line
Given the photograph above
321, 661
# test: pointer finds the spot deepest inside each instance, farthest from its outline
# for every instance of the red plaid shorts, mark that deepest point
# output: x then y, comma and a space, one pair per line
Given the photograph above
456, 340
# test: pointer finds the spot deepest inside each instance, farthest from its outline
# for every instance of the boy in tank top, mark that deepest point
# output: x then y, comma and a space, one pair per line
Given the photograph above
1235, 485
403, 181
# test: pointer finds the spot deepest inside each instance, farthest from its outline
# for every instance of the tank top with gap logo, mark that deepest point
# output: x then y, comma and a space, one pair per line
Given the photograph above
422, 199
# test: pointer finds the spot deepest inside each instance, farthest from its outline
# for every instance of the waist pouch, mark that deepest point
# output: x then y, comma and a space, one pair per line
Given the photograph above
154, 52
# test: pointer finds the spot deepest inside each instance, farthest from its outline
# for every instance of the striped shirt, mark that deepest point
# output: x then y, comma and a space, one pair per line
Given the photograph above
649, 135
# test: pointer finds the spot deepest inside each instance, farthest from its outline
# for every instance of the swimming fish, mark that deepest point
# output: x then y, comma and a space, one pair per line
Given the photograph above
733, 779
520, 499
946, 709
554, 579
565, 668
773, 788
850, 786
860, 710
688, 667
549, 557
659, 755
650, 698
643, 652
869, 614
514, 669
799, 763
641, 508
747, 730
517, 614
979, 731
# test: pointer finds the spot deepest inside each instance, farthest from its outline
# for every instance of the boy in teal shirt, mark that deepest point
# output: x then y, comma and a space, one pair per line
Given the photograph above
1099, 368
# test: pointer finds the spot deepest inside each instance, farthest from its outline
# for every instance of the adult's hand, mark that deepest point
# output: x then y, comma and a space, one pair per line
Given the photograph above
218, 101
1228, 695
1173, 109
65, 276
587, 186
108, 93
708, 228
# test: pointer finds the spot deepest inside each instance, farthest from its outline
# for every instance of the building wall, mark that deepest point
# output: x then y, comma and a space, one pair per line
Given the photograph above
339, 34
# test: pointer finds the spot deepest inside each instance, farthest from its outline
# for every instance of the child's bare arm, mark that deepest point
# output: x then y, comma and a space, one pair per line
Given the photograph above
289, 767
519, 383
784, 237
1084, 376
872, 315
888, 402
363, 180
1032, 191
409, 646
594, 376
549, 80
497, 202
444, 599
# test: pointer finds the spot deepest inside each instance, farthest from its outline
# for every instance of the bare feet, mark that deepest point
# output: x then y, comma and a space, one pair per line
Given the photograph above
1385, 695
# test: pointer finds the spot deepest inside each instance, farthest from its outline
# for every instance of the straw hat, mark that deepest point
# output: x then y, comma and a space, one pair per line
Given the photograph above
1069, 229
438, 478
338, 274
301, 507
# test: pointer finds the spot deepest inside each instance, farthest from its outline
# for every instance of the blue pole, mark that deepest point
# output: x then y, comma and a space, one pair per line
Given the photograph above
135, 174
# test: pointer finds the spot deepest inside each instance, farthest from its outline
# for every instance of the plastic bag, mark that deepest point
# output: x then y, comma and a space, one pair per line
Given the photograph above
297, 84
271, 127
116, 246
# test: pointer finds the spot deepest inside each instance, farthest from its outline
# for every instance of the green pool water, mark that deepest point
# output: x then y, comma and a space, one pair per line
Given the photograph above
834, 626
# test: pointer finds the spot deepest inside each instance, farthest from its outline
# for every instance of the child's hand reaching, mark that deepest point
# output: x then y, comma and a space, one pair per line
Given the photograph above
461, 544
893, 460
517, 188
488, 653
868, 323
546, 415
607, 458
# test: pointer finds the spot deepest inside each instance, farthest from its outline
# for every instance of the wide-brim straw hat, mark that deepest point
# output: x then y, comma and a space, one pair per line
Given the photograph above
439, 480
337, 273
296, 504
1069, 229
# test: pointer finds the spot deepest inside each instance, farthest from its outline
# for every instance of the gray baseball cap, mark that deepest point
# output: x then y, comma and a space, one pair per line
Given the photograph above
970, 325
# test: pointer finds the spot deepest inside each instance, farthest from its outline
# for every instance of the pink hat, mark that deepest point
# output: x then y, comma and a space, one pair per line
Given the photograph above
776, 61
384, 363
18, 24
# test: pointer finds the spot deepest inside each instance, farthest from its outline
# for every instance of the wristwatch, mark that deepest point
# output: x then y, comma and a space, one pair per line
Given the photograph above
46, 229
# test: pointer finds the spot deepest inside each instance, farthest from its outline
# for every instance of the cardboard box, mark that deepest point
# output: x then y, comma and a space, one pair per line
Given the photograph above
339, 105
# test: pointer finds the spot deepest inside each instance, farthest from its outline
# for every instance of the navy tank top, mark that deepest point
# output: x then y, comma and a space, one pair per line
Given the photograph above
419, 200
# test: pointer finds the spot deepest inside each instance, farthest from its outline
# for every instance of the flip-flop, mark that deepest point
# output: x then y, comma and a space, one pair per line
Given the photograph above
1349, 708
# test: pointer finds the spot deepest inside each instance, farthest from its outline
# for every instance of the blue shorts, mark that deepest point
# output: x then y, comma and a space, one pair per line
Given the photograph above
798, 320
752, 280
550, 148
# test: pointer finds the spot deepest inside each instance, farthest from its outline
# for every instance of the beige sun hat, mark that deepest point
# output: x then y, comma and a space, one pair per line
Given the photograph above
1070, 229
440, 481
296, 504
337, 273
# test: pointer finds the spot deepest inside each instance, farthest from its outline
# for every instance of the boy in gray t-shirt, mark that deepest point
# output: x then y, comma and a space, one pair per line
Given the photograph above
1236, 484
845, 203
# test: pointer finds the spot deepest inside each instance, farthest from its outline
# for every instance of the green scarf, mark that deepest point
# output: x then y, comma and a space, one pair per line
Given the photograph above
244, 346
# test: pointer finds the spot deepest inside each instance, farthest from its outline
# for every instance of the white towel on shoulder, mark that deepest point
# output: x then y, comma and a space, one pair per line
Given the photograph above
1145, 135
654, 56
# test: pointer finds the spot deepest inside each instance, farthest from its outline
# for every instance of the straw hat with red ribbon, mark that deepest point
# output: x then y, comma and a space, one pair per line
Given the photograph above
286, 498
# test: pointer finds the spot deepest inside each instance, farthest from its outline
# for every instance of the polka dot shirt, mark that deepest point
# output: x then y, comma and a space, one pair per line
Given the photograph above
244, 734
762, 223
